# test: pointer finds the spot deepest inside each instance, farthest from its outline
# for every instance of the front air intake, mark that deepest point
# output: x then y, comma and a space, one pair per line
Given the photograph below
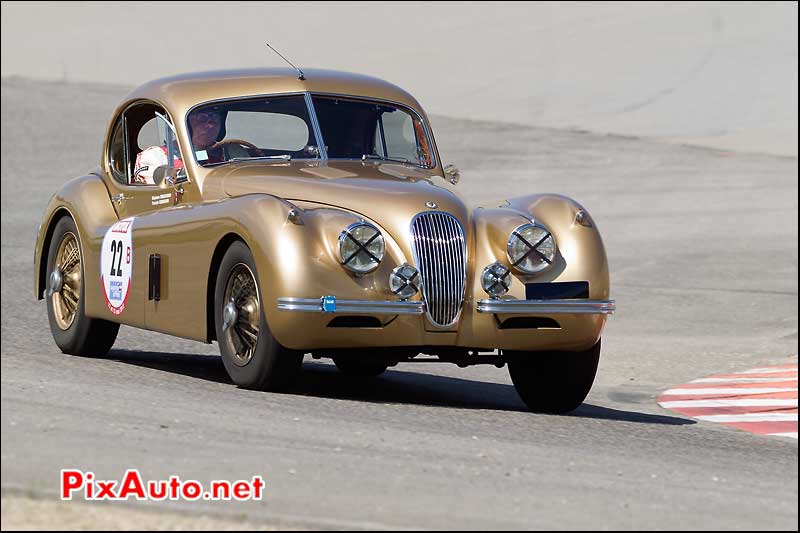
440, 252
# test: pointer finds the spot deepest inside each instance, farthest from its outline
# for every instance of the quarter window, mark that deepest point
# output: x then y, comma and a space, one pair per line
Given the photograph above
117, 153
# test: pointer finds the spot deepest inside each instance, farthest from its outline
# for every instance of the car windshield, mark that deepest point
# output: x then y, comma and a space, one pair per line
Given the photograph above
359, 129
280, 128
257, 128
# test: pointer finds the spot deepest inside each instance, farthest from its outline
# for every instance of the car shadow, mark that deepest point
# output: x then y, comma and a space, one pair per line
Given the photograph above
394, 386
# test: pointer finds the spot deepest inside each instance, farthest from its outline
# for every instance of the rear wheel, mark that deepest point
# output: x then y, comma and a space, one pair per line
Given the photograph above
553, 382
360, 367
73, 331
251, 355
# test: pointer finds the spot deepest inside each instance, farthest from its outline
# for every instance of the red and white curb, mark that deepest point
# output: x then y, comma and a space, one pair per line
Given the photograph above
759, 400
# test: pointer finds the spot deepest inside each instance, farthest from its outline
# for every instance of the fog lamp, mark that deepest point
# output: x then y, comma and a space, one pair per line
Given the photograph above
404, 281
496, 280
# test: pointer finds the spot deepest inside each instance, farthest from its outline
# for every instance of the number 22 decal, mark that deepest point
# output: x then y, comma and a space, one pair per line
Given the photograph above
116, 250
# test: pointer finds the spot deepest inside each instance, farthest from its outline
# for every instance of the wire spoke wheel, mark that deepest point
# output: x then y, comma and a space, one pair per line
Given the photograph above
68, 262
241, 291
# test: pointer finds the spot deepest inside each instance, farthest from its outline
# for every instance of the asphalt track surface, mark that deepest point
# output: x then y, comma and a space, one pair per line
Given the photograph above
703, 253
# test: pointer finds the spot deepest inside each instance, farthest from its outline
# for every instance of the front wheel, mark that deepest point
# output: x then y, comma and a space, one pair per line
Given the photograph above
74, 332
553, 382
251, 355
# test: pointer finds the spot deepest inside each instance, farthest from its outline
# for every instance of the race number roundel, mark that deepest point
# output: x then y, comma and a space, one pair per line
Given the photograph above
116, 265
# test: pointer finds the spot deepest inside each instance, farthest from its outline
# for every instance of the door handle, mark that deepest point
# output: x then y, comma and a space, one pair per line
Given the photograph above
119, 198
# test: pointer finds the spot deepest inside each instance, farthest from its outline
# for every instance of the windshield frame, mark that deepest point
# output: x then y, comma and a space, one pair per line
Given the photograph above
315, 127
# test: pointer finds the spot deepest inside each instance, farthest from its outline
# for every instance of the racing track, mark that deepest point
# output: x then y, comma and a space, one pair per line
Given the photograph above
703, 252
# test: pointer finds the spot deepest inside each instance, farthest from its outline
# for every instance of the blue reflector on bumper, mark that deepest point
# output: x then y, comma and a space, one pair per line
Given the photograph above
329, 304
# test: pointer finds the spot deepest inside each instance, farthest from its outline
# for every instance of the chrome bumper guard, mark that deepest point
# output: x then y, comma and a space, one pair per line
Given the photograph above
547, 307
372, 307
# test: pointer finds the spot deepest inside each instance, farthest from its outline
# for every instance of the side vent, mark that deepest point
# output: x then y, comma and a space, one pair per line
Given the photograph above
355, 322
530, 322
154, 283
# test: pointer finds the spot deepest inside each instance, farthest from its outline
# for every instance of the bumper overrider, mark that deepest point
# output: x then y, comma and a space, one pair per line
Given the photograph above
330, 304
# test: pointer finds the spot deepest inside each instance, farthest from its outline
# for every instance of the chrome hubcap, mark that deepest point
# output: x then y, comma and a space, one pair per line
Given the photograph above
229, 316
56, 282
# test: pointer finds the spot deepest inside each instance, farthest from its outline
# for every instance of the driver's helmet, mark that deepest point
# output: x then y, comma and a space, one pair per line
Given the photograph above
148, 161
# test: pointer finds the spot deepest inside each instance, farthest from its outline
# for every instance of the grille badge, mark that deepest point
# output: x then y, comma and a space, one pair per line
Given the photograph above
431, 205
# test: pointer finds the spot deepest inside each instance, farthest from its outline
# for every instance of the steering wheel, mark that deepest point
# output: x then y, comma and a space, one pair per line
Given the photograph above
250, 146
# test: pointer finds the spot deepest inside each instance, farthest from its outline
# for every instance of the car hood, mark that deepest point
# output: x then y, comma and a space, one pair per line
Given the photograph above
388, 193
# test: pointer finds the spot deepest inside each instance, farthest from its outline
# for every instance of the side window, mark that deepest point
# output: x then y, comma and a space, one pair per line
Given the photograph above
117, 152
149, 135
150, 143
401, 140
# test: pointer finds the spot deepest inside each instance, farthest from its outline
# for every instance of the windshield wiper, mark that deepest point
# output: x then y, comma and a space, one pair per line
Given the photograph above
367, 157
284, 157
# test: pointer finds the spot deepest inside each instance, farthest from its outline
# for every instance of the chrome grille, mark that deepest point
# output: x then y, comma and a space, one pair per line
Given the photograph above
440, 251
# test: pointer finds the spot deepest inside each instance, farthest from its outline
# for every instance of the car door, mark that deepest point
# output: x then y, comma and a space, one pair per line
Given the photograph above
125, 253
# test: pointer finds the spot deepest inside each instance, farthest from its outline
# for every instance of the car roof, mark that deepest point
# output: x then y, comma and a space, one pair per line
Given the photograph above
181, 92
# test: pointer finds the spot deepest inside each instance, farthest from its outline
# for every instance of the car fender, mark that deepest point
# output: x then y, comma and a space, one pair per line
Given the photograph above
581, 253
86, 200
297, 259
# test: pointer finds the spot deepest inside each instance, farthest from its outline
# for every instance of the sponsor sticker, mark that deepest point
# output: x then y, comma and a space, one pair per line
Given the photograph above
115, 291
116, 265
161, 199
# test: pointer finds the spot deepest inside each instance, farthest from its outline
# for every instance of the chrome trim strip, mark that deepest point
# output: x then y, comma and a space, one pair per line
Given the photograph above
375, 307
312, 112
547, 307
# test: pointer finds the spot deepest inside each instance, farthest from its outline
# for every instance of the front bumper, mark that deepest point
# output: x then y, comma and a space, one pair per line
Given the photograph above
482, 324
329, 304
547, 307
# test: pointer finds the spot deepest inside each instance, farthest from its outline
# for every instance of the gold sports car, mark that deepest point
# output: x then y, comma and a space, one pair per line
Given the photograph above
282, 215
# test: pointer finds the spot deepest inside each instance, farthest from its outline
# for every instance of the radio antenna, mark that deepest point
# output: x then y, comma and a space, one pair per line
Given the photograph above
301, 76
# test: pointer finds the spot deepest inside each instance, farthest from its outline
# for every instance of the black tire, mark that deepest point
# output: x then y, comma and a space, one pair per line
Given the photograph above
271, 367
85, 336
553, 382
360, 367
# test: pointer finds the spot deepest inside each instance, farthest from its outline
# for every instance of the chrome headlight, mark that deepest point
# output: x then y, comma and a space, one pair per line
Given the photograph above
361, 247
531, 248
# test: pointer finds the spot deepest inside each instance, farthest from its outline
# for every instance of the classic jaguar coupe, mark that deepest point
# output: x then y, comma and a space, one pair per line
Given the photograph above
282, 215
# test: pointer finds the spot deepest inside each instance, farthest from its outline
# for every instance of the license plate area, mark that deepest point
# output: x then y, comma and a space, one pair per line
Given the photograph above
559, 290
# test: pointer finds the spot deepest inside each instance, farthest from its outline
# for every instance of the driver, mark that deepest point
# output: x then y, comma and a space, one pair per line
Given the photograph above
206, 129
